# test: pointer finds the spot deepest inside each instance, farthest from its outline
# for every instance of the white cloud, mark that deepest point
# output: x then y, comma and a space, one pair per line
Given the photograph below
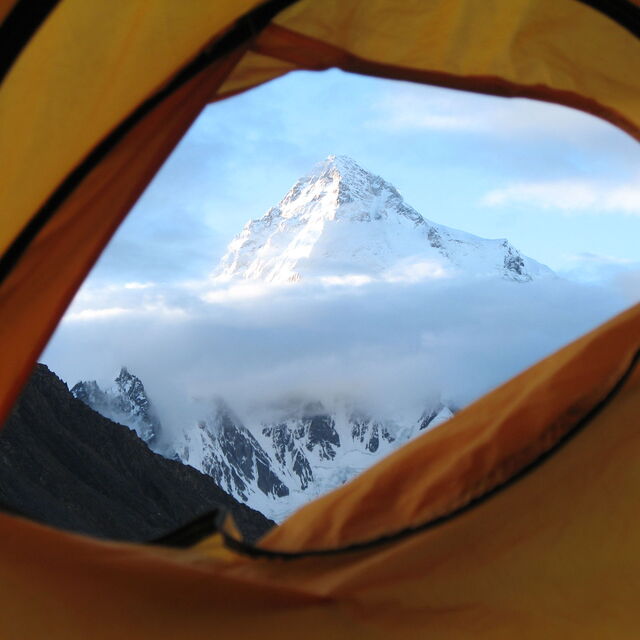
95, 314
349, 280
390, 345
413, 271
570, 196
627, 281
157, 310
235, 292
139, 285
414, 107
594, 259
97, 302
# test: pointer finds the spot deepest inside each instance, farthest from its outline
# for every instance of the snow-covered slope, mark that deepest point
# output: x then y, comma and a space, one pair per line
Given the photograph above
125, 402
223, 448
341, 223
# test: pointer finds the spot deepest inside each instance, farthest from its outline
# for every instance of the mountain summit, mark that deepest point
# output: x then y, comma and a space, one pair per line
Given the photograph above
125, 402
343, 224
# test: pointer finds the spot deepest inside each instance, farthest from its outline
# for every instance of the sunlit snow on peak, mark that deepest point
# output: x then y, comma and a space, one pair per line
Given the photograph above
342, 224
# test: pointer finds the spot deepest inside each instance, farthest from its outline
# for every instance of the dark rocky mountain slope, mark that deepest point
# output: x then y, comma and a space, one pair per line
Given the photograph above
63, 464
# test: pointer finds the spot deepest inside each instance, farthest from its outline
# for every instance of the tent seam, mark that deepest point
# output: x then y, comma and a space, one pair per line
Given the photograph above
623, 12
19, 27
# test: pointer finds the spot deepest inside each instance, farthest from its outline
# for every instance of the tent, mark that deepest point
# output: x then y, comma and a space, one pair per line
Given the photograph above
519, 519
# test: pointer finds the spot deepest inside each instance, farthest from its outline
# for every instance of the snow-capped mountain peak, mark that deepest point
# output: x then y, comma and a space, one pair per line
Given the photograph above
343, 224
339, 188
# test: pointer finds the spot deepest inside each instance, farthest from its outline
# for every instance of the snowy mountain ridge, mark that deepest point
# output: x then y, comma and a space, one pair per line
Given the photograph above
278, 466
341, 224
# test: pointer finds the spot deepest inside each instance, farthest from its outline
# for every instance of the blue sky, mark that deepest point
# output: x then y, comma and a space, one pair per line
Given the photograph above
562, 186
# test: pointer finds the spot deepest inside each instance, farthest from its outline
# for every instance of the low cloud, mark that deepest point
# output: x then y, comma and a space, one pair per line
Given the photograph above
570, 196
387, 346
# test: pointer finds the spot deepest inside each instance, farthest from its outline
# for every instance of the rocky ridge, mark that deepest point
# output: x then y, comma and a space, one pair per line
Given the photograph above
125, 402
66, 465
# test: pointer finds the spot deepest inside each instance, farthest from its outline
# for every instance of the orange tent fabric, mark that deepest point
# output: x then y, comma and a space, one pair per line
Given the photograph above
519, 518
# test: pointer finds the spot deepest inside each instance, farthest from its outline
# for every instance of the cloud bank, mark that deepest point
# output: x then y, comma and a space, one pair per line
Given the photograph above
389, 347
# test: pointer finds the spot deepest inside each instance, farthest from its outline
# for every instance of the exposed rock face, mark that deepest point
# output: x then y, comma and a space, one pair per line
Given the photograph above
434, 417
277, 465
64, 464
225, 450
321, 436
514, 264
126, 402
273, 465
369, 432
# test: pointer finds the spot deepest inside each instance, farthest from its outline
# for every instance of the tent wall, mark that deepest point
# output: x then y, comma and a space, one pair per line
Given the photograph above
519, 519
